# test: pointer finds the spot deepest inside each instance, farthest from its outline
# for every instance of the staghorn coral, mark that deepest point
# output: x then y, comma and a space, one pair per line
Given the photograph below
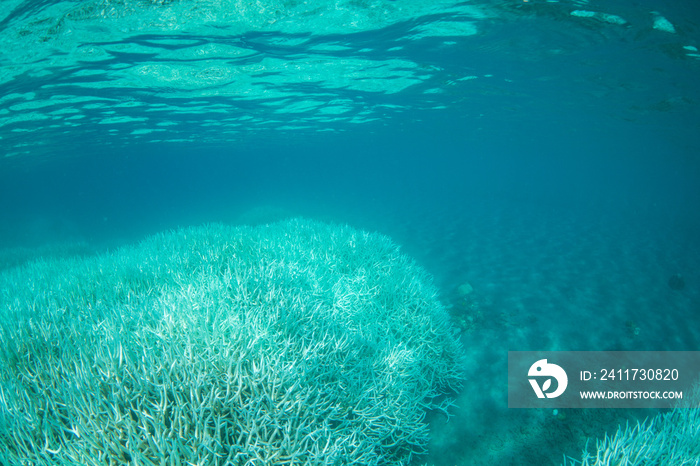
671, 438
293, 343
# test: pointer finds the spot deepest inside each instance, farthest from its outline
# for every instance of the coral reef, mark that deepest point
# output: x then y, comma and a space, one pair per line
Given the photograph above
293, 343
666, 439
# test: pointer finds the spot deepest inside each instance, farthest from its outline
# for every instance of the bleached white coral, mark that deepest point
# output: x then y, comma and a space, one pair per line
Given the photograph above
667, 439
662, 24
294, 343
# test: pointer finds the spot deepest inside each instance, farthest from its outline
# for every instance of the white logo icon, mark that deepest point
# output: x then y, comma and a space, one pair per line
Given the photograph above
543, 369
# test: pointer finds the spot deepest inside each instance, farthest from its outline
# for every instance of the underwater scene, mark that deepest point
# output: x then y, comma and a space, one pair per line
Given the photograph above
314, 232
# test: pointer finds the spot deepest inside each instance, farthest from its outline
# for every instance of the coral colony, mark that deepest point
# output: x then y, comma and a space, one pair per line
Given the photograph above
293, 343
665, 439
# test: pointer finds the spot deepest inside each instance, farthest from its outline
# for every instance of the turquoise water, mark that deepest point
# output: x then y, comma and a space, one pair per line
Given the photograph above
544, 152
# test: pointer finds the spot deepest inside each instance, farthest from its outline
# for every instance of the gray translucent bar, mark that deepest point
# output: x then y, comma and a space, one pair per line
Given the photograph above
602, 379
